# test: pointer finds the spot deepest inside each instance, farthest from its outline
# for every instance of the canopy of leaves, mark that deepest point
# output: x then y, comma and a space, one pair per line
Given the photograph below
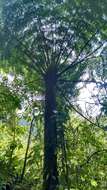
53, 32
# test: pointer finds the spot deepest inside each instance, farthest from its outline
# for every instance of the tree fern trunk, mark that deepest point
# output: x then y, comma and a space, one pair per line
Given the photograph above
50, 132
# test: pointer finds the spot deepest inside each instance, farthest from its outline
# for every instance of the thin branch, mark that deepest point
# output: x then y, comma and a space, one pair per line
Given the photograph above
63, 51
85, 45
32, 81
80, 113
31, 57
83, 81
88, 159
44, 41
76, 62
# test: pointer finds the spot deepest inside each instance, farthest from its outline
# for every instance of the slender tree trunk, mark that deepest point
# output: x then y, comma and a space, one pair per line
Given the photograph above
27, 149
13, 145
50, 132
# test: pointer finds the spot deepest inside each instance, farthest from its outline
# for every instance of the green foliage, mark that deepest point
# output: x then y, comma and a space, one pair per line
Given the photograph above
9, 101
37, 37
70, 23
85, 162
83, 167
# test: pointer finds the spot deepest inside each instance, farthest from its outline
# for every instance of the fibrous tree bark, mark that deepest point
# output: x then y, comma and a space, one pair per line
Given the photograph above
50, 132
